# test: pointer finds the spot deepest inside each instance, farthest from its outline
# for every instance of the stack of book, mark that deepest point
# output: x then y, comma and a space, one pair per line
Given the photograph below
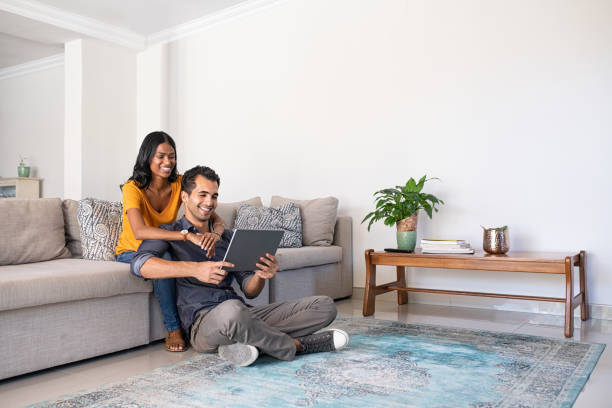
445, 246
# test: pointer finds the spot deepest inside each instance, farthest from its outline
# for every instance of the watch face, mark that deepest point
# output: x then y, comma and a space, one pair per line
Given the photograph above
184, 232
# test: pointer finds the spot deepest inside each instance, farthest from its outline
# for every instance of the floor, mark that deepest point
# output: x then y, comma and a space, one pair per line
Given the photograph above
89, 374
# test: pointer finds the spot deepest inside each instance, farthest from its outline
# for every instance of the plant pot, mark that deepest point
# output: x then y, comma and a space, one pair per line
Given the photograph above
406, 233
23, 171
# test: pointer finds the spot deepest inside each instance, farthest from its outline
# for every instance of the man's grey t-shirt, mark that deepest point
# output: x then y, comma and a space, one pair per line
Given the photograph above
192, 295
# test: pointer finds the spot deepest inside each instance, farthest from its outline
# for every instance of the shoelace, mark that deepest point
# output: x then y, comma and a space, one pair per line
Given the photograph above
319, 342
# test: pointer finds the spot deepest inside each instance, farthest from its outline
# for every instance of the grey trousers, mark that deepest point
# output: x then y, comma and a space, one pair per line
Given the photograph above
271, 328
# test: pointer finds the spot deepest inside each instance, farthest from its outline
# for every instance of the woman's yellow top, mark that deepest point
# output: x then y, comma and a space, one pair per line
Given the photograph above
134, 197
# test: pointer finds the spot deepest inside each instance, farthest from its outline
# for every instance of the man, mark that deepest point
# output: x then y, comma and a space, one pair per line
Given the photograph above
211, 312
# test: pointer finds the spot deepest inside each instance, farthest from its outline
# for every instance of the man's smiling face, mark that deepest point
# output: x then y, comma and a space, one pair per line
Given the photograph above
201, 203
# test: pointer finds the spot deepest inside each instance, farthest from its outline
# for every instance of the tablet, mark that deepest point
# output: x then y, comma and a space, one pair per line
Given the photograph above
246, 246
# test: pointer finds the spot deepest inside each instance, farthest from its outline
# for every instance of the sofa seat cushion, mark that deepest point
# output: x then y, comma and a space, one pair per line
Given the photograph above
295, 258
65, 280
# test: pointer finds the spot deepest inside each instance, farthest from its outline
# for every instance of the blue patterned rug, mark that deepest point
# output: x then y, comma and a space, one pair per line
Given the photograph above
387, 364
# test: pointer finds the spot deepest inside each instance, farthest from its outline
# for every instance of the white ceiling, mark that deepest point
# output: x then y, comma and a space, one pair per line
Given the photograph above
143, 17
31, 30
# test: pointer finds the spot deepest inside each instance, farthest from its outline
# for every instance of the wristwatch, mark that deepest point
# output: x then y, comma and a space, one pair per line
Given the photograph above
184, 234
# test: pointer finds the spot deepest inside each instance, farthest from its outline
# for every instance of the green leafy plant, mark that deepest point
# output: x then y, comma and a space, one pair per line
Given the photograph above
395, 204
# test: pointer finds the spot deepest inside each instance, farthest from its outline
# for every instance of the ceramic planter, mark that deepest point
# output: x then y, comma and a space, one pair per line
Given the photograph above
406, 233
23, 171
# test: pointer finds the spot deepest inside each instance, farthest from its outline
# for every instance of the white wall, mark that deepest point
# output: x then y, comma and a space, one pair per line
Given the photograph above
32, 124
109, 118
152, 91
507, 102
73, 120
101, 118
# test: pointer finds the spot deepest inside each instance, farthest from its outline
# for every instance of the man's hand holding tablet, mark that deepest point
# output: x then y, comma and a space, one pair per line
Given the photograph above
268, 266
212, 272
248, 250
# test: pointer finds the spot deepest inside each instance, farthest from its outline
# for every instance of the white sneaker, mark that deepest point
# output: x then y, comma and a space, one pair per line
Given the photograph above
341, 339
328, 340
239, 354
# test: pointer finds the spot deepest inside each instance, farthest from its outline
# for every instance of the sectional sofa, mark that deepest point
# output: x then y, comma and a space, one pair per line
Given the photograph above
57, 308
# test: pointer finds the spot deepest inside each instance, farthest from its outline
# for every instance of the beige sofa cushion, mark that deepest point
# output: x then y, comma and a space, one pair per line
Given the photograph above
228, 211
318, 218
65, 280
31, 231
71, 225
295, 258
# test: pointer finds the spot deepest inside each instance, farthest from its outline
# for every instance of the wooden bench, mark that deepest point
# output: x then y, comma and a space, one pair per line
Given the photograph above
531, 262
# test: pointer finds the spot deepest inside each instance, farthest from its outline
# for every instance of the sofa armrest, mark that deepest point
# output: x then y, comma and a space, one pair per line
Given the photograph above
343, 237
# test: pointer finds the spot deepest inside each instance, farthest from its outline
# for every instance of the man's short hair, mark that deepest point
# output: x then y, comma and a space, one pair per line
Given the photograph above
188, 182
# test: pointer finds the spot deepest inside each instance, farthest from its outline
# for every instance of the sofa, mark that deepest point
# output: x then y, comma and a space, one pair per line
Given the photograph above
57, 308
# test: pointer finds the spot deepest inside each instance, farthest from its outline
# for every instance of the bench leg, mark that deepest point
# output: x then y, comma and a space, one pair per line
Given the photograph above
584, 311
569, 297
402, 297
370, 285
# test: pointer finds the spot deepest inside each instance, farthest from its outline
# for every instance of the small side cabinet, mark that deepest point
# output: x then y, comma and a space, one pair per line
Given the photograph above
20, 187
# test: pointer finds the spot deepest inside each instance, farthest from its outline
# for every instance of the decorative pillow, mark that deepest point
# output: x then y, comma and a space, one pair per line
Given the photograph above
228, 211
286, 218
318, 218
31, 231
100, 223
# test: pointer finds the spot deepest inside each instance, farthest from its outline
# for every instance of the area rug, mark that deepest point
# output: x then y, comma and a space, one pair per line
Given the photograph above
387, 364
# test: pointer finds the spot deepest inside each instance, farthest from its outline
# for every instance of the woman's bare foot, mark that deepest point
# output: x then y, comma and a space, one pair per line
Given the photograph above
175, 342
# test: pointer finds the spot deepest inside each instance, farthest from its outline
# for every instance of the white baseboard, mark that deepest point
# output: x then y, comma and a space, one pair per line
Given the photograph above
603, 312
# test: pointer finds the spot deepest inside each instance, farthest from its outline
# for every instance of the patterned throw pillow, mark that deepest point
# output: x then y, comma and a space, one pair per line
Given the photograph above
318, 218
100, 223
285, 218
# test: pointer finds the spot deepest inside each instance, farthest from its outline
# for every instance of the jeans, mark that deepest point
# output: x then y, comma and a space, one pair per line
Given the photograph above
165, 292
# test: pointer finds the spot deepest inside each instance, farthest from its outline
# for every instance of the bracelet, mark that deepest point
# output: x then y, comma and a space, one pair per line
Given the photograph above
216, 233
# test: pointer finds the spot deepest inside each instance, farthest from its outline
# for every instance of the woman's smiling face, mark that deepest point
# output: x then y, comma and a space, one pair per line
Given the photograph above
163, 161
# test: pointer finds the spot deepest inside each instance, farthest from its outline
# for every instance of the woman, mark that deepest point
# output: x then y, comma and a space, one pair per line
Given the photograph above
151, 197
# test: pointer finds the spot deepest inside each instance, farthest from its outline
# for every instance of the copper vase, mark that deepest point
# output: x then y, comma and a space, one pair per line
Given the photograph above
495, 240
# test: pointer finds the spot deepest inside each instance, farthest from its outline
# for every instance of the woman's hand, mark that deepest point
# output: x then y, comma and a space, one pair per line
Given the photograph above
206, 241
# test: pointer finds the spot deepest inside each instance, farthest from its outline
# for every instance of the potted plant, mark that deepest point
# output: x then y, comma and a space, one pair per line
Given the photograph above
400, 206
23, 170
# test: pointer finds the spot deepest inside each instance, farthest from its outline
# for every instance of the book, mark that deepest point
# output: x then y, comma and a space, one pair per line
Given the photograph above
445, 246
448, 251
442, 241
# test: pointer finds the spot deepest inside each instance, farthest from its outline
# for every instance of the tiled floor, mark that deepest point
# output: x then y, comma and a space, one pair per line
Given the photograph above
52, 383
